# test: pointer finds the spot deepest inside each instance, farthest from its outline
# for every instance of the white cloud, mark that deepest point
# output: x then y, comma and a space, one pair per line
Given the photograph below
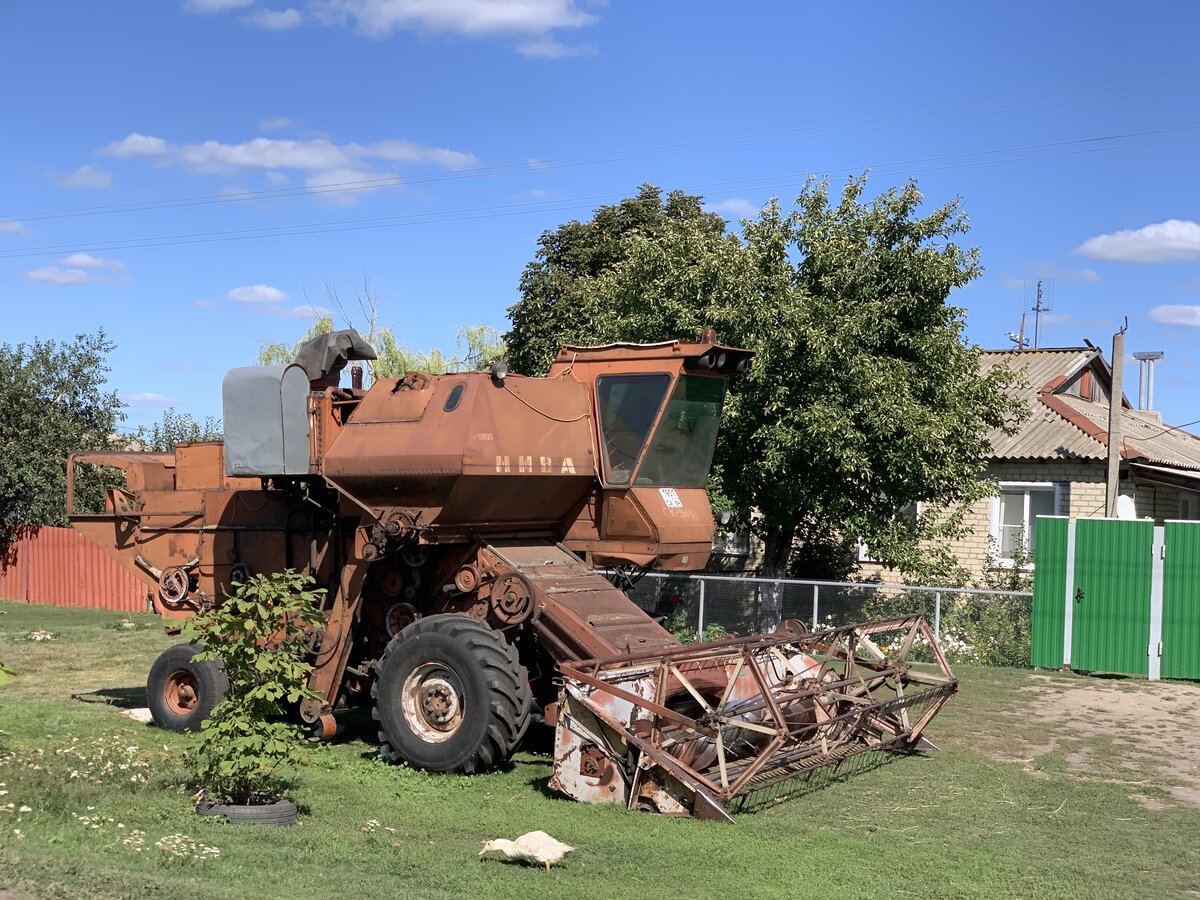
257, 293
1048, 268
1176, 314
273, 177
314, 155
87, 261
56, 275
734, 207
146, 398
135, 146
1169, 241
88, 176
211, 7
80, 268
12, 226
274, 19
274, 124
549, 48
305, 311
344, 186
472, 18
408, 152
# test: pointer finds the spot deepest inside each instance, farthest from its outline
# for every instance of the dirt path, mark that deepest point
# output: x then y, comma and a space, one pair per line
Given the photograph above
1139, 734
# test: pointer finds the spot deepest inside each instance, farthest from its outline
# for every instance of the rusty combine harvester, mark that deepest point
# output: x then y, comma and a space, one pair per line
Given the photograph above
457, 522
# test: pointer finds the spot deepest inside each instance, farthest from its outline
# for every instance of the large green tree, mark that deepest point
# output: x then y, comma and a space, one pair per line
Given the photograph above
55, 401
864, 397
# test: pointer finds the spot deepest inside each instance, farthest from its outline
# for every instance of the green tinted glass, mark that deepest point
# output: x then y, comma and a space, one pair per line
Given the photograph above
627, 405
681, 450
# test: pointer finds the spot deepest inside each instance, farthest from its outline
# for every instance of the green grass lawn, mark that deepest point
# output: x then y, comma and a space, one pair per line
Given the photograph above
957, 823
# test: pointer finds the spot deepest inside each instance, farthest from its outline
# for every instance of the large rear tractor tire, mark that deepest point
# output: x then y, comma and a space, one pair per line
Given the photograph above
451, 696
183, 692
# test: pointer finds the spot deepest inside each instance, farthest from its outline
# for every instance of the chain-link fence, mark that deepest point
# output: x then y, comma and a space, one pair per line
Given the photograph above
973, 625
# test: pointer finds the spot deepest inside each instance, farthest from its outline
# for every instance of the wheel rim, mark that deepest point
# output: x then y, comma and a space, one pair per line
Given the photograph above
181, 692
432, 700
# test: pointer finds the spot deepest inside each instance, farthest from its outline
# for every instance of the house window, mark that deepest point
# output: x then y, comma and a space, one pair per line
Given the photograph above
733, 543
1014, 517
1189, 505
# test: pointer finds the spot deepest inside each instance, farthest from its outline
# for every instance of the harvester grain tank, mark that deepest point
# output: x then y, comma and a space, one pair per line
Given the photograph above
457, 522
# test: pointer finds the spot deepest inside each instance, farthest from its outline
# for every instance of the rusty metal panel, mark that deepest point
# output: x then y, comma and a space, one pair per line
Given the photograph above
59, 567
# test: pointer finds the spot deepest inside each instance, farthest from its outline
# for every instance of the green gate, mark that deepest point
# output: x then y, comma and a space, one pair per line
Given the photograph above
1110, 609
1049, 588
1181, 601
1117, 595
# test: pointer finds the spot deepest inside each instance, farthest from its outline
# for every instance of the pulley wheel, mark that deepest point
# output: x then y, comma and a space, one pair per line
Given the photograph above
173, 585
392, 583
467, 579
399, 616
512, 599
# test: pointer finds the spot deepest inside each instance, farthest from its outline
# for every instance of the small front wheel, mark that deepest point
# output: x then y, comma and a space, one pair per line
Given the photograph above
182, 692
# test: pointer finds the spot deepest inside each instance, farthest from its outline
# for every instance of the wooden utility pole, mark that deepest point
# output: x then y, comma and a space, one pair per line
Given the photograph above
1114, 422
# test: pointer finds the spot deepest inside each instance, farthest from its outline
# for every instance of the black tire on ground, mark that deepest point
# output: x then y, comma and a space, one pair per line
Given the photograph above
281, 812
451, 695
181, 692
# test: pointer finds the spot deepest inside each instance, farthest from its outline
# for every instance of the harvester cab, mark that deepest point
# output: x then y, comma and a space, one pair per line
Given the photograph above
458, 523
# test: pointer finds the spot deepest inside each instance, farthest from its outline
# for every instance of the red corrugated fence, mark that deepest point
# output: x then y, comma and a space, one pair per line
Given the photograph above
60, 567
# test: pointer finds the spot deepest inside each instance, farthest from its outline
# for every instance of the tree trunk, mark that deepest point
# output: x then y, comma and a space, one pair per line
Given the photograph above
777, 550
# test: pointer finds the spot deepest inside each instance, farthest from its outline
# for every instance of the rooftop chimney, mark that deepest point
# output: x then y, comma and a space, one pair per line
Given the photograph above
1146, 361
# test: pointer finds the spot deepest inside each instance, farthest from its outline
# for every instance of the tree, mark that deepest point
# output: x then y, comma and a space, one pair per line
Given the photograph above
863, 397
474, 346
176, 428
55, 402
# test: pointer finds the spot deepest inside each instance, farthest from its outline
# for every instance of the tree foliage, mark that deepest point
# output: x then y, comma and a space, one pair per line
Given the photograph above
363, 309
176, 428
55, 402
863, 397
258, 634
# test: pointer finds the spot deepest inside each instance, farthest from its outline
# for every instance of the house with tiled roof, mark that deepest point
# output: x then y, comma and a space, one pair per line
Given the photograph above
1056, 461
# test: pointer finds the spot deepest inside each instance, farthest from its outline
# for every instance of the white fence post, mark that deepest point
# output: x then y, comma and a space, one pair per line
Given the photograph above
937, 614
816, 590
700, 616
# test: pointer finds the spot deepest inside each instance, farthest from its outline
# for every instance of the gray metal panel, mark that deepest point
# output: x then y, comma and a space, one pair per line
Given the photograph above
293, 393
266, 420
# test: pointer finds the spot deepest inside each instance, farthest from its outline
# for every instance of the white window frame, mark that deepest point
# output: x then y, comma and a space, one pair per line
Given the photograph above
863, 552
1189, 505
996, 560
733, 542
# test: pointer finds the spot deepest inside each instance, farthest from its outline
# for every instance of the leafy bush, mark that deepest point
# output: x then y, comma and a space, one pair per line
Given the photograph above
258, 634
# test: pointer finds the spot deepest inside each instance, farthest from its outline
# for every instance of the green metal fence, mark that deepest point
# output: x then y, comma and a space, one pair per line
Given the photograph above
1114, 595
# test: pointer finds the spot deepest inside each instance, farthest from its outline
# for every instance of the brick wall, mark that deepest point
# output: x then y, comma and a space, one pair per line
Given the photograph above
1081, 495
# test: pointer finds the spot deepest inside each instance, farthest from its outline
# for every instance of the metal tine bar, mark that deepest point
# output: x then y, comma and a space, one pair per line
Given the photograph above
765, 690
757, 765
679, 769
721, 761
732, 681
908, 640
872, 648
691, 690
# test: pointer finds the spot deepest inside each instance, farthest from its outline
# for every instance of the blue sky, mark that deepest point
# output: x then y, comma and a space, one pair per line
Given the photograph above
191, 175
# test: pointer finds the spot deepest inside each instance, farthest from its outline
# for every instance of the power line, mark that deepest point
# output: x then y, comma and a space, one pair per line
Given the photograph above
702, 145
585, 202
